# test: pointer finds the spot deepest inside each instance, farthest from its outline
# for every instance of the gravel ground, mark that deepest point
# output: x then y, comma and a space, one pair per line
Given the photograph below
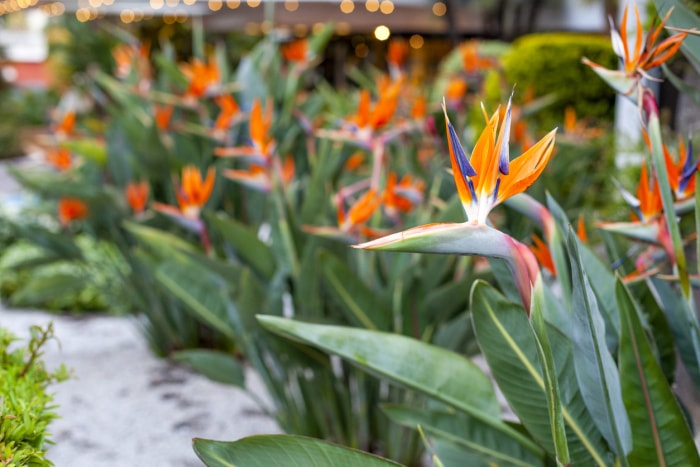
124, 407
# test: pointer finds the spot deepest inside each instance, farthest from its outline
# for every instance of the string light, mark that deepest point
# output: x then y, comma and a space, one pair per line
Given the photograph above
386, 7
382, 33
439, 9
416, 41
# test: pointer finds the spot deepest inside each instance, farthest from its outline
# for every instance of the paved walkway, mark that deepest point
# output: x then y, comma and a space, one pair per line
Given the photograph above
124, 407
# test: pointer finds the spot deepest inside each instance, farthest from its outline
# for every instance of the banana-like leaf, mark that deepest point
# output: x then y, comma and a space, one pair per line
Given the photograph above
545, 351
40, 289
248, 246
90, 149
283, 450
431, 370
482, 441
60, 245
215, 365
353, 296
163, 243
202, 291
509, 345
68, 183
596, 372
660, 433
685, 334
636, 231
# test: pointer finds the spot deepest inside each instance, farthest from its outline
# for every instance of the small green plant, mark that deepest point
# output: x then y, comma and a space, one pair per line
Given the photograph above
25, 407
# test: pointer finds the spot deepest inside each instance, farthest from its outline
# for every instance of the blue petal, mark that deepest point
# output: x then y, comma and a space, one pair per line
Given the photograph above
504, 159
464, 165
689, 167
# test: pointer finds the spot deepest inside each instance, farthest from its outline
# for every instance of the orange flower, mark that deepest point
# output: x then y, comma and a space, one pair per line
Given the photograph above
193, 192
229, 108
456, 89
355, 161
136, 194
401, 196
637, 60
543, 255
296, 51
71, 209
360, 212
260, 125
489, 176
576, 129
59, 158
397, 52
471, 61
67, 124
126, 54
418, 110
649, 198
581, 230
681, 174
650, 55
376, 117
202, 76
288, 170
162, 116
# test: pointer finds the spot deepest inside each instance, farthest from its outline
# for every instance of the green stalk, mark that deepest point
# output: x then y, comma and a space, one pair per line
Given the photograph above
657, 153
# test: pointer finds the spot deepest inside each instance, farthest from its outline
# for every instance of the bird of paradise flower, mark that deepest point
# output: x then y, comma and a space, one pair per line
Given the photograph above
483, 181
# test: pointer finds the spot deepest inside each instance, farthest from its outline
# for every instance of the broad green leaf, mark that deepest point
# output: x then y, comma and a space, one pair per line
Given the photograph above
215, 365
685, 334
554, 231
204, 293
483, 441
39, 288
283, 450
56, 243
68, 183
660, 433
431, 370
504, 278
159, 241
509, 345
444, 301
448, 454
90, 149
545, 351
596, 372
252, 251
360, 304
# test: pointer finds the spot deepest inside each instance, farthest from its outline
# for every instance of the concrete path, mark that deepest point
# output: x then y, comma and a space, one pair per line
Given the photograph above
124, 407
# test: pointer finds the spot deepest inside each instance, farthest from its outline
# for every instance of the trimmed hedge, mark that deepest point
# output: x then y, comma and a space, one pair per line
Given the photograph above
25, 406
551, 63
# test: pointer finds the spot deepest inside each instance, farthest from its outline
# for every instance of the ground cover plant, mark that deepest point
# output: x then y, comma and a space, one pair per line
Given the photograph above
230, 201
25, 405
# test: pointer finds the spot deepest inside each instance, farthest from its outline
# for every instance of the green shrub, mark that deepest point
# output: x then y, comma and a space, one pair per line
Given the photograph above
25, 407
551, 63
